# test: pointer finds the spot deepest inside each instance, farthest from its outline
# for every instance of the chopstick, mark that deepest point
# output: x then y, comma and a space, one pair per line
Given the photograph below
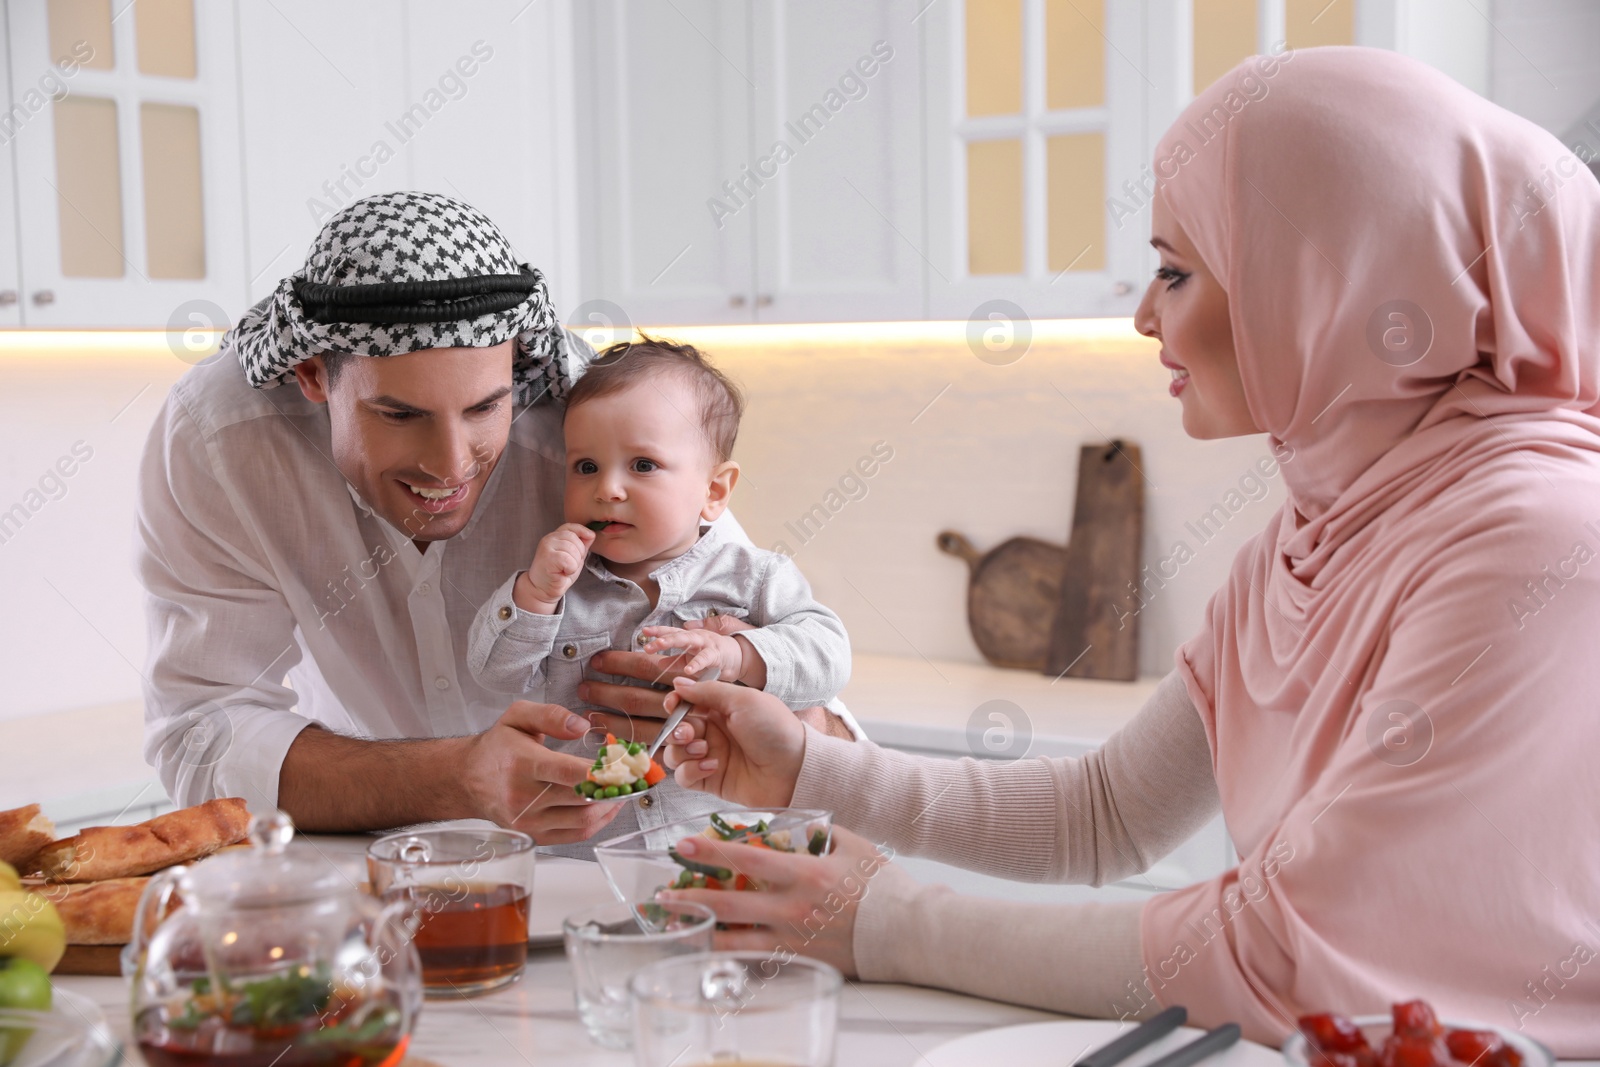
1212, 1041
1151, 1030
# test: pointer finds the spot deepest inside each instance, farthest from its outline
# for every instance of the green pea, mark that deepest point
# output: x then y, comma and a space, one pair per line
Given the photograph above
634, 748
612, 792
600, 755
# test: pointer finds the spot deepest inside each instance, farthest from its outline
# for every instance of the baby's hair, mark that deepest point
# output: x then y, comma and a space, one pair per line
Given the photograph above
630, 362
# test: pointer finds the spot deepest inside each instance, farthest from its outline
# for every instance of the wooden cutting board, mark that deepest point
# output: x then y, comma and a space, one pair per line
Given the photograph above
1012, 595
1039, 606
91, 959
1095, 630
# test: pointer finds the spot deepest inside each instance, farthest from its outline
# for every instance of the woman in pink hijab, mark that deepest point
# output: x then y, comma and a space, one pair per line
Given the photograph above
1393, 698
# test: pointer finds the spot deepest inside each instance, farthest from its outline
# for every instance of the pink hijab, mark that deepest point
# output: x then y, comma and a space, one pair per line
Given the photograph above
1400, 680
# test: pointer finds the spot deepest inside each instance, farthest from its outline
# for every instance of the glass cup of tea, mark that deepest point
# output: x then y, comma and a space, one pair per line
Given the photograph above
608, 944
772, 1009
469, 892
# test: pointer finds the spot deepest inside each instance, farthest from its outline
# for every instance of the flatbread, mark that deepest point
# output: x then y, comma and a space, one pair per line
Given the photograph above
101, 852
23, 833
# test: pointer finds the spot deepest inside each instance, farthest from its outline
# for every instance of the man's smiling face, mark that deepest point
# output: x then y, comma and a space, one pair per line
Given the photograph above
418, 435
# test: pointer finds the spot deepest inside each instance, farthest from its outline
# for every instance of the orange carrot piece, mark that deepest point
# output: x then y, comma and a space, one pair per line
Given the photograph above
654, 775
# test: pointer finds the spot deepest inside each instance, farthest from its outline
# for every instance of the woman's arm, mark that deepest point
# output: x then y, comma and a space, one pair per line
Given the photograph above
1082, 959
1096, 819
857, 911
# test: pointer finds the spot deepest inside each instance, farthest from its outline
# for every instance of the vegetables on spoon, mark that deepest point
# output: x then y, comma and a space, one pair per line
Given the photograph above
621, 768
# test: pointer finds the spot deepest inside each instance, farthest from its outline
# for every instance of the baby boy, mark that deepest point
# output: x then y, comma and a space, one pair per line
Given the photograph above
649, 430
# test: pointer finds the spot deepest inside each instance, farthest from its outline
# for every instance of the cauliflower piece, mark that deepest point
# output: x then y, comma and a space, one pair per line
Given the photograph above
620, 768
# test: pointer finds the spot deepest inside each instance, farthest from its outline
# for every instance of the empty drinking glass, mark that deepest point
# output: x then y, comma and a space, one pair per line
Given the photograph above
608, 945
736, 1007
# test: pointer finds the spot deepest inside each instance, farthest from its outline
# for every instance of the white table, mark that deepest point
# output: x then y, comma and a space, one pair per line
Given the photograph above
534, 1022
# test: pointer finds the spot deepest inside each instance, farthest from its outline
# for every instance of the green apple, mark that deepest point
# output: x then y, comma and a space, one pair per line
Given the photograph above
31, 928
26, 985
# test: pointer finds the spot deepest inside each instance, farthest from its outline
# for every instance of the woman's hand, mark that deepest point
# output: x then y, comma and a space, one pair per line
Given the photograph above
808, 905
739, 743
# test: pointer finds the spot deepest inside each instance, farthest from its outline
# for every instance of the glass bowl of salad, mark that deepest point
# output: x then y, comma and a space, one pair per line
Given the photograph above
641, 864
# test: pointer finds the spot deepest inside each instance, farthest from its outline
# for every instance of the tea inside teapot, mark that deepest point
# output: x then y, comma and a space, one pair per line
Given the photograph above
273, 958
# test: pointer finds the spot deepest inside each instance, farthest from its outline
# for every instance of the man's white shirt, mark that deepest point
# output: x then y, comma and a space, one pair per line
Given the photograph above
276, 597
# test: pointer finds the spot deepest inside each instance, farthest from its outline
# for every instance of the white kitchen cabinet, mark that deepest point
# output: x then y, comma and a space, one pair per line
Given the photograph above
840, 223
807, 161
345, 101
752, 162
1034, 111
665, 118
126, 163
10, 261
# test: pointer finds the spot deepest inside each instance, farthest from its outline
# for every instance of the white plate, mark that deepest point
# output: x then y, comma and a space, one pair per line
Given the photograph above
1068, 1041
562, 886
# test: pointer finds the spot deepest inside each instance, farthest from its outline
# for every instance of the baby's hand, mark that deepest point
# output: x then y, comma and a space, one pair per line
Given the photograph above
707, 647
556, 565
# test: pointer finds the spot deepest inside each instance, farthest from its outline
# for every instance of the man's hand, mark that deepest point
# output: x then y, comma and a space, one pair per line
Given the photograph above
557, 562
516, 781
506, 774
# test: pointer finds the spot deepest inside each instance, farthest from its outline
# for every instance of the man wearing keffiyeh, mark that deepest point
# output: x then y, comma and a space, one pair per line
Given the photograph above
313, 556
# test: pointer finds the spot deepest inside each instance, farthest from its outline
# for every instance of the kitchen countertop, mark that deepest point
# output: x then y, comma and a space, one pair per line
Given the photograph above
943, 705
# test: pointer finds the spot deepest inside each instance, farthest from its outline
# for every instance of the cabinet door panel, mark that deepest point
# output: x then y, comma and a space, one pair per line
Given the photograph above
323, 122
10, 258
838, 152
85, 244
498, 73
663, 124
1080, 126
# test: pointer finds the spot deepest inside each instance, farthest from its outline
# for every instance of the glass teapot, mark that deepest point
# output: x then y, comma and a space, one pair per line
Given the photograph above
271, 957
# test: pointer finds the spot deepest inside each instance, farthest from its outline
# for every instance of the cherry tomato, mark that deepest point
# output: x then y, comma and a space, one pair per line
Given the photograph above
1402, 1051
1481, 1048
1414, 1018
1332, 1033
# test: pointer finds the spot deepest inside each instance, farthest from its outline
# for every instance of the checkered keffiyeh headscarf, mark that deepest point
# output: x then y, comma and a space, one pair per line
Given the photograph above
402, 272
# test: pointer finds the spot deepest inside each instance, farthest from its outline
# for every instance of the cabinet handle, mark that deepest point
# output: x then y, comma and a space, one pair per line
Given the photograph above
7, 297
736, 300
764, 300
41, 297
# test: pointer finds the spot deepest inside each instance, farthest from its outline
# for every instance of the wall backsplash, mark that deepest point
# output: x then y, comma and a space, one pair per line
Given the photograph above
860, 444
990, 451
